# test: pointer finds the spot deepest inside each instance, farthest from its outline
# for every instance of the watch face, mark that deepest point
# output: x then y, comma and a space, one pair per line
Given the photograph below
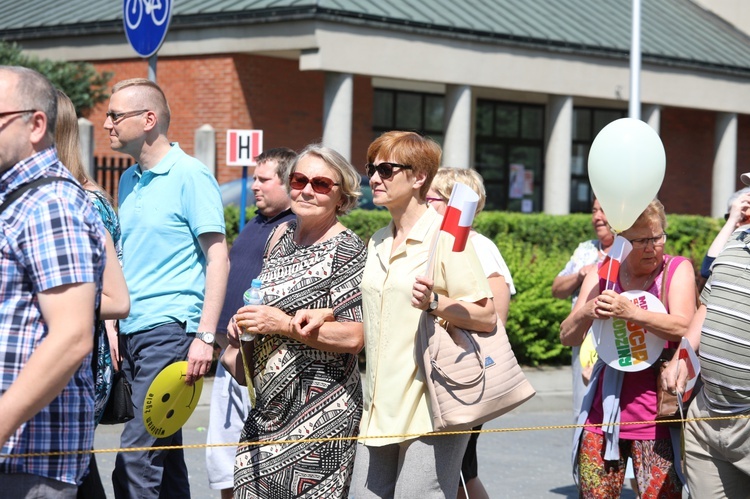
208, 337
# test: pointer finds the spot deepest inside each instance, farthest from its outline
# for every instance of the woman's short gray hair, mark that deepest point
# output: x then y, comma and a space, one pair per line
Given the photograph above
349, 179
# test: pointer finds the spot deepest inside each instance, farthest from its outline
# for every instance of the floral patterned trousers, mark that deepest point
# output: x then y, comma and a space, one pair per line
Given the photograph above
653, 462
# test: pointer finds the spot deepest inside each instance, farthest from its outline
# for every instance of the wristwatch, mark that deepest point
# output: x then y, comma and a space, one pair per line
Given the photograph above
207, 338
432, 306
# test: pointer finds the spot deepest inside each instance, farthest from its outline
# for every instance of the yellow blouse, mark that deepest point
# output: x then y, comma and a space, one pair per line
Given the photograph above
395, 397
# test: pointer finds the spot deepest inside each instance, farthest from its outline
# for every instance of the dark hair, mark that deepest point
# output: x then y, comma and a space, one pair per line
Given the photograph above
283, 157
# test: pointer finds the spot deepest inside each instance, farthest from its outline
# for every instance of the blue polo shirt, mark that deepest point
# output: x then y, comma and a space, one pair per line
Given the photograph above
162, 213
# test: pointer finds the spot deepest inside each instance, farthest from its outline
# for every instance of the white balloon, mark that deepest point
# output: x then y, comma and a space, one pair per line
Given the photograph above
626, 169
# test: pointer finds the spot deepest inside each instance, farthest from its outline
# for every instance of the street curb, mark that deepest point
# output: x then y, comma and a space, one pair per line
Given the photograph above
554, 389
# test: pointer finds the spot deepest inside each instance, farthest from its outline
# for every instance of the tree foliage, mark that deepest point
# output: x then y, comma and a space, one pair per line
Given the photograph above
79, 80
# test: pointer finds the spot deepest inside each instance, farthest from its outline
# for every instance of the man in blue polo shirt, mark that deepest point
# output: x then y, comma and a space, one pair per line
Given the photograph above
229, 401
175, 263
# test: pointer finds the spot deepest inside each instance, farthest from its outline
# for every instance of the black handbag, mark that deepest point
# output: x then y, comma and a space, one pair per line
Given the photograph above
119, 408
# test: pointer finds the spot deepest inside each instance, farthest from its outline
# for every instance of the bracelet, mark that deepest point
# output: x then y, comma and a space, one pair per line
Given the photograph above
291, 329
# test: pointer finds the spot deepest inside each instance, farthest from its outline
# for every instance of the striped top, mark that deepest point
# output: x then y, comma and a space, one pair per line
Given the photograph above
725, 335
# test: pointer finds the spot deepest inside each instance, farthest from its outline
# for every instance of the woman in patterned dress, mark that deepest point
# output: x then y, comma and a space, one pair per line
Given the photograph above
307, 335
115, 300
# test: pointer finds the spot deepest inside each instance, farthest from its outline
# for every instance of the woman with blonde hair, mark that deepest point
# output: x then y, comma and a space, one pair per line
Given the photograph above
499, 279
115, 300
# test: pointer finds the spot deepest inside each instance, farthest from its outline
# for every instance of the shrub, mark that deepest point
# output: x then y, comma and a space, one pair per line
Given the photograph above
536, 247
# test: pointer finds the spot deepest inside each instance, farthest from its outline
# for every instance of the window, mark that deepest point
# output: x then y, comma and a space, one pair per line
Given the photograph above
413, 111
509, 154
587, 122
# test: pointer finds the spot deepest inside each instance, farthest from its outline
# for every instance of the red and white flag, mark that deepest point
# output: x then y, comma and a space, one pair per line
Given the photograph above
460, 214
610, 267
693, 367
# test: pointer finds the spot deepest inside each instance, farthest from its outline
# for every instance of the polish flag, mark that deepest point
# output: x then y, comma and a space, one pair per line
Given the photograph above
460, 214
610, 267
693, 367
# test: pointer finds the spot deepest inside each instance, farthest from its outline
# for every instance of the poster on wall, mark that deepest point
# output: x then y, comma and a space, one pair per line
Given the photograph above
527, 206
517, 180
528, 182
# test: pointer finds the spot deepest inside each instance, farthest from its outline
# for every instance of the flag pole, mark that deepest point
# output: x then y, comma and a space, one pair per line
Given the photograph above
634, 106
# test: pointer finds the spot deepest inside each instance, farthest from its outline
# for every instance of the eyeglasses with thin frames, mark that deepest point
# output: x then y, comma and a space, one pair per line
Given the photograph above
643, 242
118, 117
10, 113
321, 185
384, 169
435, 200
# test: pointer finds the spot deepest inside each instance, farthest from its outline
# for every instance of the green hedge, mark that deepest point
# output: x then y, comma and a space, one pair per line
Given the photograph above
536, 247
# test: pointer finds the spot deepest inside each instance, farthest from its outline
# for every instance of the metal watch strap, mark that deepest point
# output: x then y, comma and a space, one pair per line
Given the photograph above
201, 335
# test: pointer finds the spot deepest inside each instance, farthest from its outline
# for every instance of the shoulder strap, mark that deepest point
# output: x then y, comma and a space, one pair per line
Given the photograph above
666, 277
275, 236
20, 190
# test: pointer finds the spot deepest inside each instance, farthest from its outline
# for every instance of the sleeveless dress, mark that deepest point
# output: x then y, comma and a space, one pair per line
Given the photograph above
303, 392
104, 370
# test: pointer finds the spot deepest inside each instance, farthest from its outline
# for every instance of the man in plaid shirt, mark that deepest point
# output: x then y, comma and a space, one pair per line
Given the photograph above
51, 261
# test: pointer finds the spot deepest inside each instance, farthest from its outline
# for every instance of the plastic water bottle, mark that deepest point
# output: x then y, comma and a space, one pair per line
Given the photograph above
252, 296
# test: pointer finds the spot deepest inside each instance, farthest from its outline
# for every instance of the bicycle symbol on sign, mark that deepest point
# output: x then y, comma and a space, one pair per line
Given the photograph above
134, 12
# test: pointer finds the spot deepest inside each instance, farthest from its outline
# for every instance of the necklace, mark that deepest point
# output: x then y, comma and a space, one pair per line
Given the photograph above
644, 286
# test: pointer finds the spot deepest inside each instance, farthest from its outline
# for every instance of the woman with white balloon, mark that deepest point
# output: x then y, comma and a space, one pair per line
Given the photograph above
617, 396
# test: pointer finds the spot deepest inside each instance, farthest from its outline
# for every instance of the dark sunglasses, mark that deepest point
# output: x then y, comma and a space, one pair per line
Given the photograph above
384, 169
321, 185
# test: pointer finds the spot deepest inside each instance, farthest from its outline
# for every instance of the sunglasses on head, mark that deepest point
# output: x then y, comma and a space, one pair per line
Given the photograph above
384, 169
321, 185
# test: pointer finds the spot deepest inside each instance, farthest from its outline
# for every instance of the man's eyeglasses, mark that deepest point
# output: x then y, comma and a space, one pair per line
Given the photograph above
10, 113
384, 169
321, 185
645, 241
118, 117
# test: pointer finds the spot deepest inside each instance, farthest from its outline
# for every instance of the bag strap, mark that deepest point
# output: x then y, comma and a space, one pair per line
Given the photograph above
666, 278
478, 353
434, 349
278, 232
21, 189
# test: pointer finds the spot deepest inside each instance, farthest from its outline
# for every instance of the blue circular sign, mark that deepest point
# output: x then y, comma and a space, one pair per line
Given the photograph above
146, 23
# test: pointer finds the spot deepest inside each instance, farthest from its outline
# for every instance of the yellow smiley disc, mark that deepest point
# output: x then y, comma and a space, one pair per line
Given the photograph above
169, 401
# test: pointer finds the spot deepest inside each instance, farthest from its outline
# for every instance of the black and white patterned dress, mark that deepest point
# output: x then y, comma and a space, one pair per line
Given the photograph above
302, 392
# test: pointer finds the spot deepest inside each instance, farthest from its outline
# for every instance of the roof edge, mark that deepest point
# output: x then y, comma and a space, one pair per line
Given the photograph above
314, 12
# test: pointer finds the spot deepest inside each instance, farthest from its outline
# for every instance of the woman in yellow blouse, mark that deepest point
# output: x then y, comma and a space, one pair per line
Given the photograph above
395, 293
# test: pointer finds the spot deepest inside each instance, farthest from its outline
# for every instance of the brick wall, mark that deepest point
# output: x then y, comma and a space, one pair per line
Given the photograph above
248, 91
743, 147
688, 137
241, 91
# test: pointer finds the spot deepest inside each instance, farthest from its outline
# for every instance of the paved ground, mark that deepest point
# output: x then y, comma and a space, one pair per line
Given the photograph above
521, 465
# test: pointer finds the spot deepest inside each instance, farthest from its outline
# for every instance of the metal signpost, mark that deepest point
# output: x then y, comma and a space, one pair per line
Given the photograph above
146, 23
242, 148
